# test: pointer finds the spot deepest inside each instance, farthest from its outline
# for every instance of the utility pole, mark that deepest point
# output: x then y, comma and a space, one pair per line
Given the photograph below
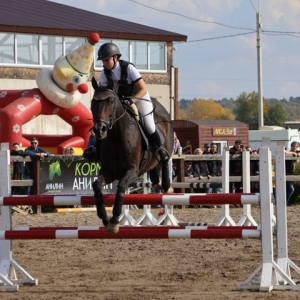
259, 66
259, 73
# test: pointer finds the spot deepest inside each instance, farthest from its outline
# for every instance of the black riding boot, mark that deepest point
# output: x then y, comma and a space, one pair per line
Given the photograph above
155, 141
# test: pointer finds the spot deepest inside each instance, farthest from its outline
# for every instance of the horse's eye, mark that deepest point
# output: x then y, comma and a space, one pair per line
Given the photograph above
76, 79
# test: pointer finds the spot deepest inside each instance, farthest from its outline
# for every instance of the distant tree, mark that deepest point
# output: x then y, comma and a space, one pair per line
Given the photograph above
182, 115
276, 115
183, 103
206, 110
247, 109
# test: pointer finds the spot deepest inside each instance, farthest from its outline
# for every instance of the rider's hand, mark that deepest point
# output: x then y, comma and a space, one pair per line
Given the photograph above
127, 100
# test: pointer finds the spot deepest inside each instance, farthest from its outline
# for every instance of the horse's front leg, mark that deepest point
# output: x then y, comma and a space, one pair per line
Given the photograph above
131, 176
101, 211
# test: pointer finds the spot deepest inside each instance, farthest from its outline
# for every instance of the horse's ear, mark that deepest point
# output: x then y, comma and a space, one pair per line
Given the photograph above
94, 83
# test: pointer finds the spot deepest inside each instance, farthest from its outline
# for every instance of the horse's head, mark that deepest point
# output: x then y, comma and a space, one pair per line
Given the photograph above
104, 110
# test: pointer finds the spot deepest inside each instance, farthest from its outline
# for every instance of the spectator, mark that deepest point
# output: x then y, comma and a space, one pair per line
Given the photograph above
206, 148
90, 152
69, 151
92, 138
18, 166
201, 168
177, 149
188, 170
254, 170
215, 166
208, 169
235, 166
174, 171
289, 170
33, 151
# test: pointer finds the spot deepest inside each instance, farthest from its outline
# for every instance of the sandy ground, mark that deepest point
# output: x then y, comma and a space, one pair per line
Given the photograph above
143, 269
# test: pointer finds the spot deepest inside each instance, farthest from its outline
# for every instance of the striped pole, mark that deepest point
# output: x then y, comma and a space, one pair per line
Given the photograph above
126, 233
150, 227
181, 184
134, 199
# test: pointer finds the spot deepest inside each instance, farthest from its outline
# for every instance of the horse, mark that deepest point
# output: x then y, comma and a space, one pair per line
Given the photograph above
124, 150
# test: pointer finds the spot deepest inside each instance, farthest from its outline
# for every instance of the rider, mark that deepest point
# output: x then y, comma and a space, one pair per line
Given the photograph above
132, 88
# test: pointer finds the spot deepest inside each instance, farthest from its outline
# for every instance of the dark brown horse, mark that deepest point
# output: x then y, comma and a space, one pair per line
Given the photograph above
124, 154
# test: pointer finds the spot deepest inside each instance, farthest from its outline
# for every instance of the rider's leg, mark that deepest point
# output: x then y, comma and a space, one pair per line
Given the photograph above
155, 140
145, 107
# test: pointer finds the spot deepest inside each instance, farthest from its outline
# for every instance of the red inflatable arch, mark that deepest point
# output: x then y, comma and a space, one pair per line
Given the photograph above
58, 93
17, 107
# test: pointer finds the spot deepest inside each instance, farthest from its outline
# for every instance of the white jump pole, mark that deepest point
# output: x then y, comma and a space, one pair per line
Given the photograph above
246, 219
8, 266
271, 272
147, 217
281, 215
225, 218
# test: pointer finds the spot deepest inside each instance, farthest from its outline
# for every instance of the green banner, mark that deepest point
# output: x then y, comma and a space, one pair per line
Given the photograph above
67, 175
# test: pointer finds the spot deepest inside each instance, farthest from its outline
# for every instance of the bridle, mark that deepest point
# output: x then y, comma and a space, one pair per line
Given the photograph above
112, 119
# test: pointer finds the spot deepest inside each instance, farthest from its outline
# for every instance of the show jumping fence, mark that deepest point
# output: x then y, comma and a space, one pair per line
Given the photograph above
270, 274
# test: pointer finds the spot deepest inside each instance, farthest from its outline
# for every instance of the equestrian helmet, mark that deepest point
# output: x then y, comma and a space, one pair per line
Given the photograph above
108, 50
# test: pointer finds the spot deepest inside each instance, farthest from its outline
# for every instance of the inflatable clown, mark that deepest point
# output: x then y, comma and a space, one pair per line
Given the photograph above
58, 93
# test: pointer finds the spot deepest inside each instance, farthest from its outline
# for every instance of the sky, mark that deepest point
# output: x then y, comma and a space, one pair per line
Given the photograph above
220, 58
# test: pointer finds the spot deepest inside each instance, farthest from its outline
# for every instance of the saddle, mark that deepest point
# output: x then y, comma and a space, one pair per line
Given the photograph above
142, 128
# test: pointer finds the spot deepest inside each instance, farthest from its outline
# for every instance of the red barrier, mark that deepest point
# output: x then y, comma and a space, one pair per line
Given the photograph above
134, 199
132, 233
132, 227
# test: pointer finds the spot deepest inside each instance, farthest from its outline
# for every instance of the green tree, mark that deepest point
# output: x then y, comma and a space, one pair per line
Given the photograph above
276, 115
247, 109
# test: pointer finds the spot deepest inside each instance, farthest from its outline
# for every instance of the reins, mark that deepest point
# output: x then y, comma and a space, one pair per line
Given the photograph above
111, 121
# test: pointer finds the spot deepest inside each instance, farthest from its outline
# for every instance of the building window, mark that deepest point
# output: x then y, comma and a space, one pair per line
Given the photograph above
52, 49
140, 55
25, 50
7, 48
157, 56
146, 56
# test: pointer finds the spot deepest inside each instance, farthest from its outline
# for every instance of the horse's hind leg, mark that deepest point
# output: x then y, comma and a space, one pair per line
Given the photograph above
154, 175
165, 177
101, 211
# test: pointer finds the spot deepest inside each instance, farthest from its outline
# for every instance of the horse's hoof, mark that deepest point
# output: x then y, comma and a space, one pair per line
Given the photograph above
170, 190
112, 228
105, 222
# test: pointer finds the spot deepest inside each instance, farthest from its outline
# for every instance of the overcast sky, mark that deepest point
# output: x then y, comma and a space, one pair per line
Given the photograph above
219, 60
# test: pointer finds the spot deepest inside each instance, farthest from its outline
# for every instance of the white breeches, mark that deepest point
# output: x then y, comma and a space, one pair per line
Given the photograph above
145, 108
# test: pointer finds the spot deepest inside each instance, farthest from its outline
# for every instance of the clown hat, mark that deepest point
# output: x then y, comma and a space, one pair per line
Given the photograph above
82, 58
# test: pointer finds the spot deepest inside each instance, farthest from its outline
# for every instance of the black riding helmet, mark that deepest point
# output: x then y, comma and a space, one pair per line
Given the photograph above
108, 50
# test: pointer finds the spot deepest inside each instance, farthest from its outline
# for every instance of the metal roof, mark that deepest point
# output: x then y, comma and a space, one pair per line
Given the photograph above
50, 18
194, 123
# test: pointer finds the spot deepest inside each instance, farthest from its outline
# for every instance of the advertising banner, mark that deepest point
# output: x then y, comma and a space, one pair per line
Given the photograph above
68, 175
